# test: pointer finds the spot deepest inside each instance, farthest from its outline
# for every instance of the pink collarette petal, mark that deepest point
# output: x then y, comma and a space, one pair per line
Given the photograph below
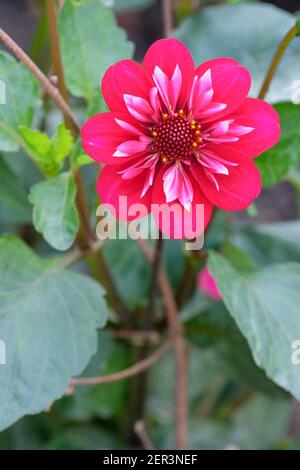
139, 108
167, 54
128, 127
162, 83
172, 218
177, 185
263, 119
175, 87
155, 103
102, 134
130, 148
121, 193
237, 190
230, 83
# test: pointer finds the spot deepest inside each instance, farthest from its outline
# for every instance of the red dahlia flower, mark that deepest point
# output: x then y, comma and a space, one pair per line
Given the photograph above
179, 135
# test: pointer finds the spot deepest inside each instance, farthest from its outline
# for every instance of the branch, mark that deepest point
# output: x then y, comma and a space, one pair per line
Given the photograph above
180, 349
137, 368
156, 265
86, 235
137, 336
50, 89
276, 61
167, 10
141, 431
57, 62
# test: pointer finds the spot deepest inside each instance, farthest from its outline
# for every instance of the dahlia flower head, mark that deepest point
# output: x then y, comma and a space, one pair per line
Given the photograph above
178, 136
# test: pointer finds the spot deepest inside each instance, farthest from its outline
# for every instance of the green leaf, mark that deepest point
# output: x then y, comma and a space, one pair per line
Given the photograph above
269, 243
82, 160
36, 142
213, 327
130, 269
62, 143
249, 32
90, 42
48, 154
265, 306
14, 205
104, 401
54, 214
276, 162
48, 321
18, 101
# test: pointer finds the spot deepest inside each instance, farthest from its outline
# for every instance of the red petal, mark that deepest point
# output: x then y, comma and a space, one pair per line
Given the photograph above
172, 219
125, 77
111, 186
265, 121
236, 190
166, 54
230, 81
101, 135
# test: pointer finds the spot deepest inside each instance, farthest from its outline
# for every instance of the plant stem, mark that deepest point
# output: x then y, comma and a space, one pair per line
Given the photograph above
57, 62
139, 386
137, 368
167, 11
180, 348
51, 90
86, 235
141, 431
276, 61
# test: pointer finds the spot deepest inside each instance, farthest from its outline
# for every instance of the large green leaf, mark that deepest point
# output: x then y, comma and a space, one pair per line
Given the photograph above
20, 101
90, 42
48, 321
276, 162
14, 206
265, 305
106, 400
130, 269
54, 213
250, 33
269, 243
215, 328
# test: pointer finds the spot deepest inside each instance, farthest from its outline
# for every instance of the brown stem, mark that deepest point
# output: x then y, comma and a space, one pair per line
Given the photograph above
126, 373
167, 10
139, 385
56, 60
180, 348
154, 283
101, 272
276, 61
51, 90
136, 336
86, 235
141, 431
